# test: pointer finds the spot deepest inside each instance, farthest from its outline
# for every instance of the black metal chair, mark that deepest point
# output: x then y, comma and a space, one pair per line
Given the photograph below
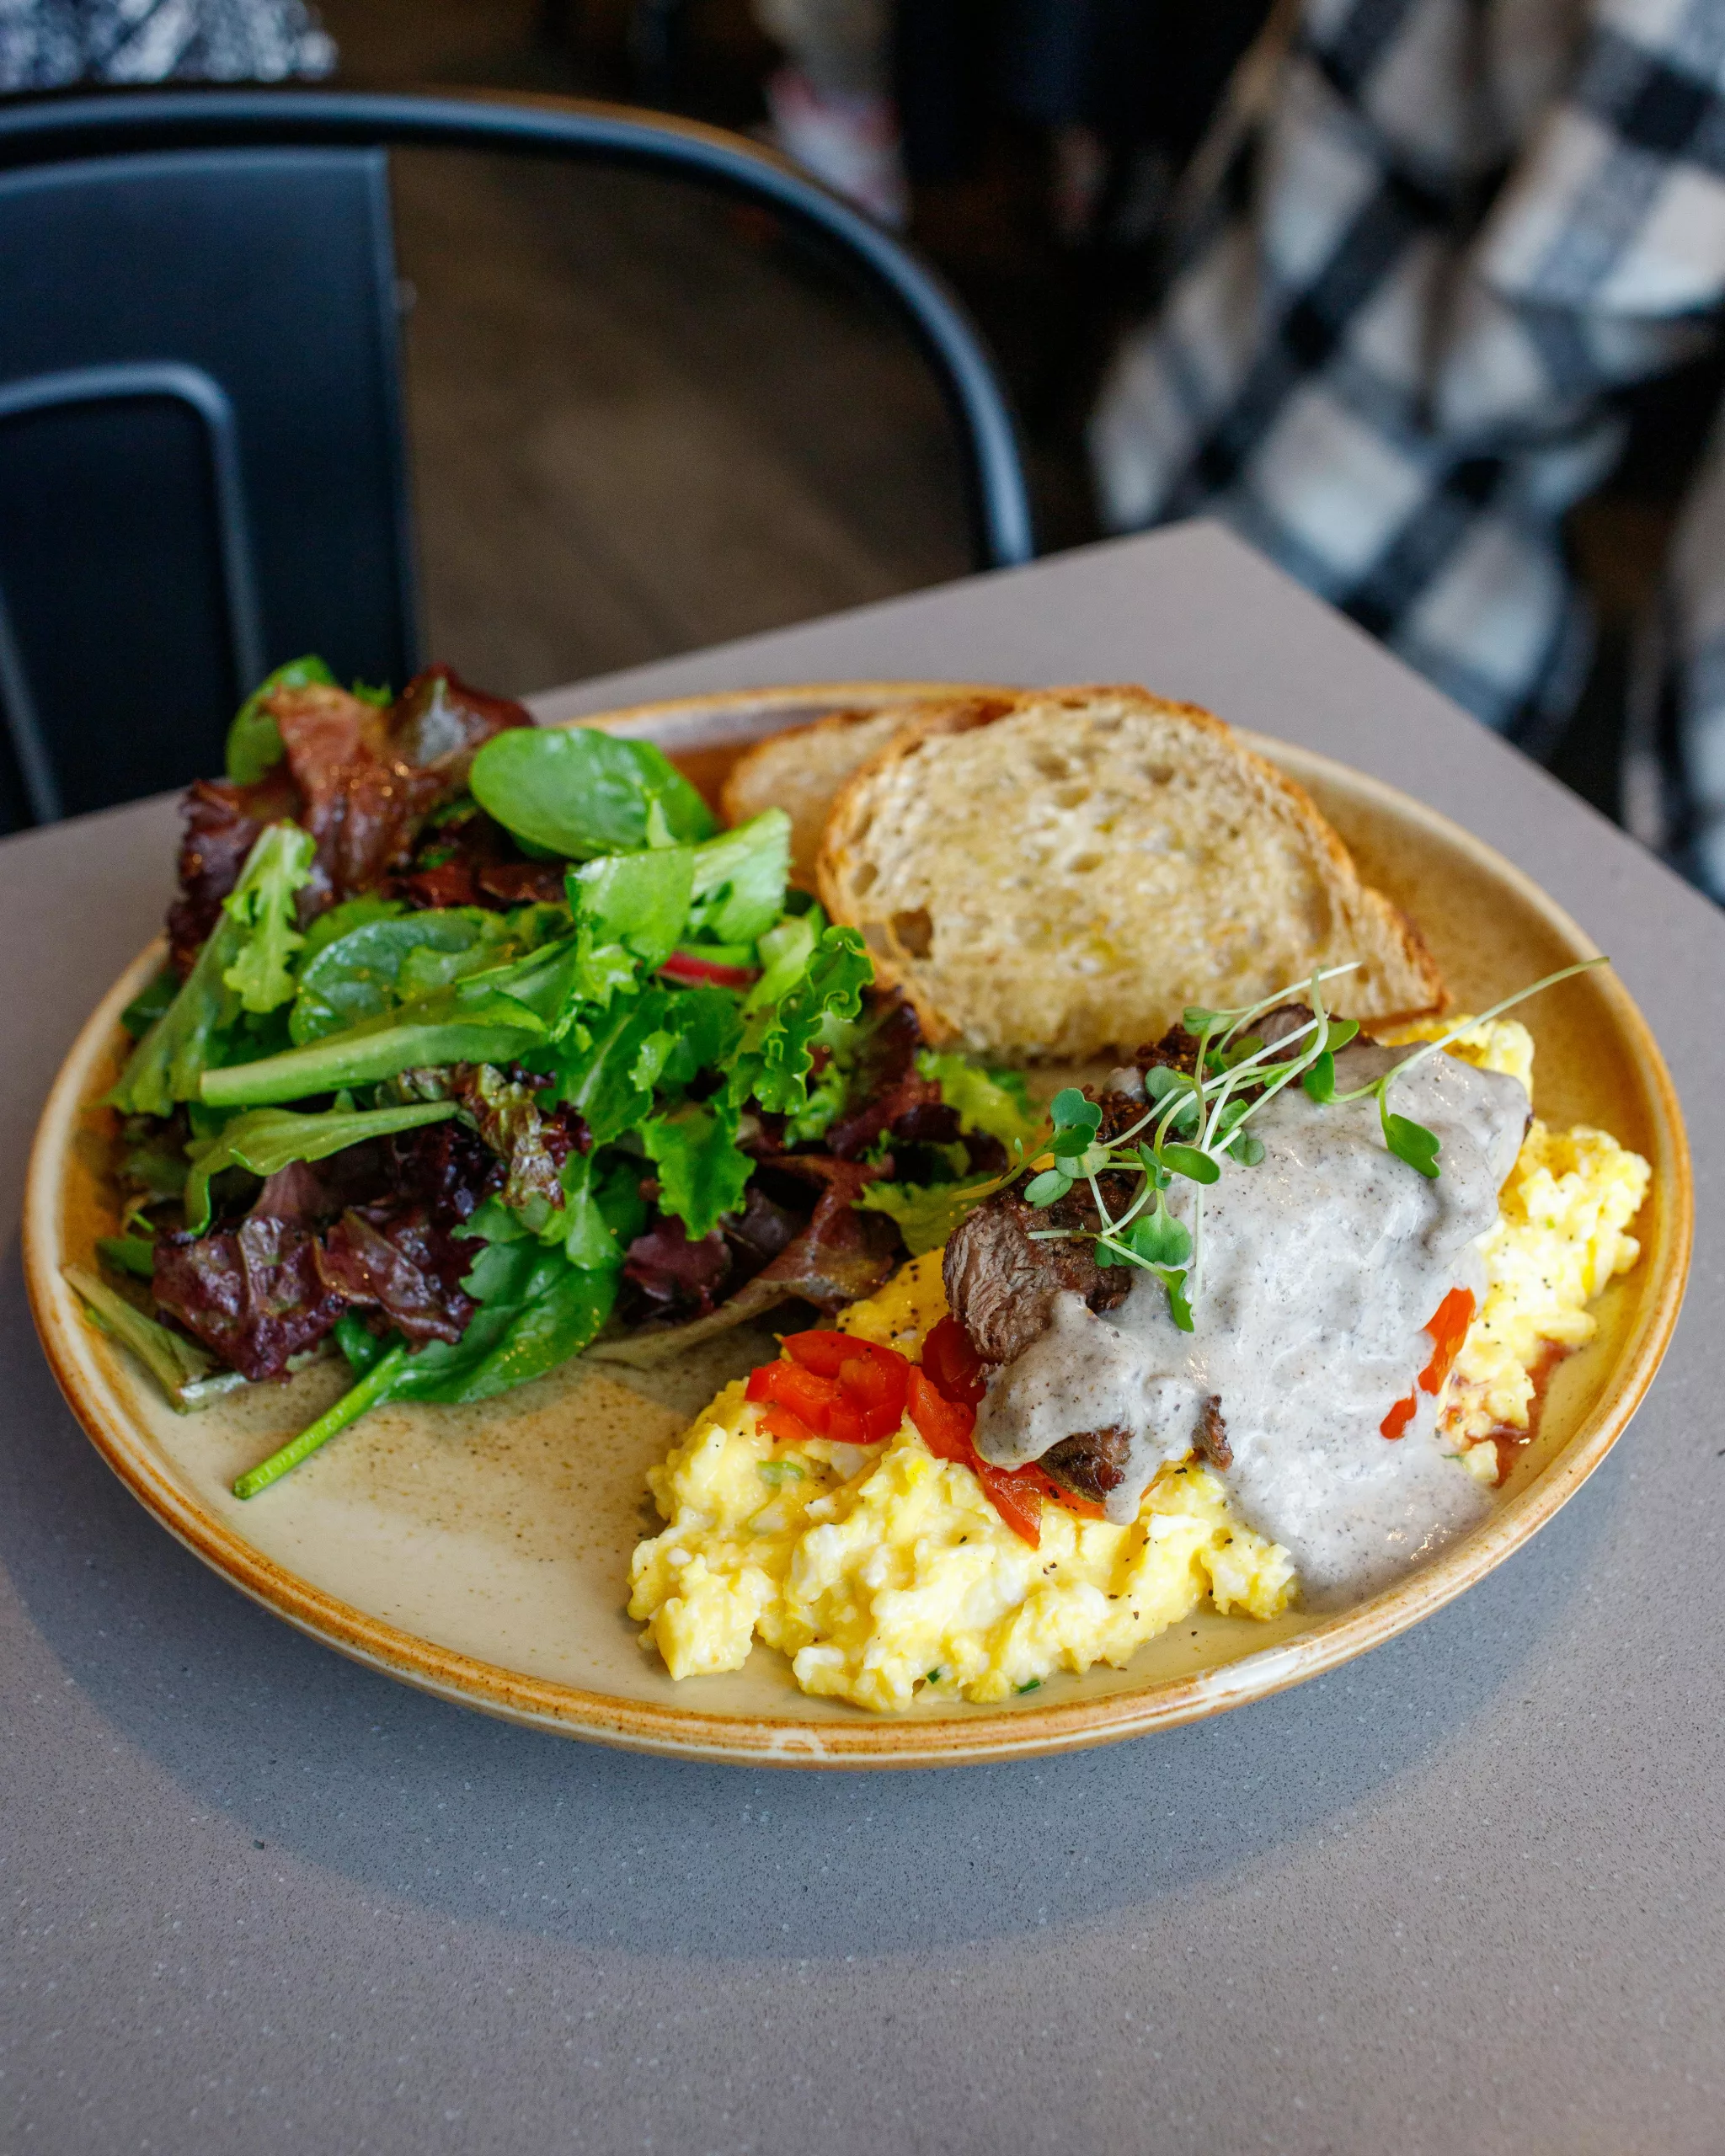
202, 469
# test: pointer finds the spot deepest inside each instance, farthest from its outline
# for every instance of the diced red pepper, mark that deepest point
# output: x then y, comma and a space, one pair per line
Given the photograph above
846, 1426
788, 1428
810, 1398
850, 1390
953, 1362
684, 967
1448, 1330
1399, 1416
876, 1388
824, 1352
944, 1425
1084, 1507
1017, 1498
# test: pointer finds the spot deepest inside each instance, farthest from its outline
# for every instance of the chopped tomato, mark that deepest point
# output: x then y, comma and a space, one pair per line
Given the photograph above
951, 1362
1399, 1416
788, 1428
1448, 1330
1017, 1498
945, 1425
691, 972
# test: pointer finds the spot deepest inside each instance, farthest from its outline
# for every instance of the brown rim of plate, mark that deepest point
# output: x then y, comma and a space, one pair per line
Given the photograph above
872, 1741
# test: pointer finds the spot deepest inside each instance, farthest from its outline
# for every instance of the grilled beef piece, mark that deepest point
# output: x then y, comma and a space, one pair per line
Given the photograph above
1091, 1463
1177, 1049
1212, 1436
1001, 1286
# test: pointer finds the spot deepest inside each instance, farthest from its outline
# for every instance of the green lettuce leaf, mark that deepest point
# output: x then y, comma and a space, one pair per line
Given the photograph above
263, 906
188, 1040
773, 1063
989, 1103
254, 740
927, 1215
610, 1081
702, 1171
603, 1211
739, 879
270, 1139
640, 900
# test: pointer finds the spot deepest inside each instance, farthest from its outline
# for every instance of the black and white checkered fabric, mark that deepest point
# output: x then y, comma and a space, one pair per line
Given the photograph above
50, 43
1428, 242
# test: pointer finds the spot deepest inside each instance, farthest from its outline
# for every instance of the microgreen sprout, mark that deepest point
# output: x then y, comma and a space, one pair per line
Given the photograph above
1194, 1121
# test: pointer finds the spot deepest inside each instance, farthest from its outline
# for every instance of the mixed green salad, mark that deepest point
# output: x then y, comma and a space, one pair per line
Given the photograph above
481, 1044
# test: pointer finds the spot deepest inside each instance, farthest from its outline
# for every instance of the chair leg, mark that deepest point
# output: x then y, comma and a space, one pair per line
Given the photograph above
656, 29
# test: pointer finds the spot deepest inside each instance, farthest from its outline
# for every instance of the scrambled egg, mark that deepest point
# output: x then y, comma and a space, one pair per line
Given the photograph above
885, 1574
1558, 1240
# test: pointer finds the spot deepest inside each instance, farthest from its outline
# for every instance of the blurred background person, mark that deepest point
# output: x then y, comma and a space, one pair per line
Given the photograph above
1422, 253
832, 104
48, 44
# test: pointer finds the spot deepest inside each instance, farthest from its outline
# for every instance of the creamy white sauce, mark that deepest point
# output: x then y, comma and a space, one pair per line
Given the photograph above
1320, 1268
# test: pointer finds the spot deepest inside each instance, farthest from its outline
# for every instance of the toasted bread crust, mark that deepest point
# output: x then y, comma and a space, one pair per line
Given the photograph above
803, 769
984, 893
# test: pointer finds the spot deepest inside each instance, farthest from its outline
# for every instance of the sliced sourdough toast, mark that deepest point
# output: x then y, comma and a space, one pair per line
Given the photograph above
804, 770
1058, 876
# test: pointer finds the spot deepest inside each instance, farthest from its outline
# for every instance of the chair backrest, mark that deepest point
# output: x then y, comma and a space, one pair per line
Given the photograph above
202, 469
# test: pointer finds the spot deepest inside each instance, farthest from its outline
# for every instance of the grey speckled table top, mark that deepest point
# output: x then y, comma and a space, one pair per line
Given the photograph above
1464, 1895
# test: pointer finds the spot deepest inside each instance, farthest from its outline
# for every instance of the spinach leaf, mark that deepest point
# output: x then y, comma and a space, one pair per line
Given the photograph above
439, 1029
579, 791
536, 1310
254, 739
342, 920
493, 1016
361, 974
268, 1138
702, 1171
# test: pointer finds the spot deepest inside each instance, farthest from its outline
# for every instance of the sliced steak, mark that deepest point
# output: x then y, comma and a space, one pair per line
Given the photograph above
1001, 1285
1210, 1438
1092, 1463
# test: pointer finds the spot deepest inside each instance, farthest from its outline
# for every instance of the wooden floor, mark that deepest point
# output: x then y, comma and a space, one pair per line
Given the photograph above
641, 421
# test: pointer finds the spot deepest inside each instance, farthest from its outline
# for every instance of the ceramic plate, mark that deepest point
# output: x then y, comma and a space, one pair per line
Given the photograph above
483, 1553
